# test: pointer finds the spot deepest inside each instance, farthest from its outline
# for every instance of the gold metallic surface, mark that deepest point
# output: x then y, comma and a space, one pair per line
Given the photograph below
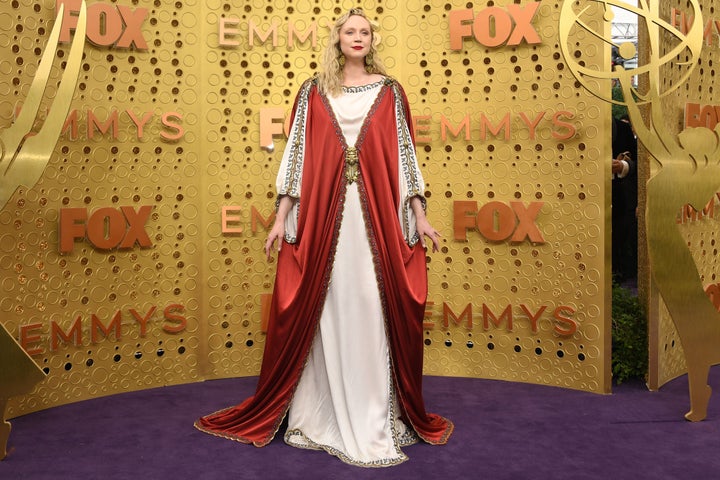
18, 375
686, 172
528, 311
23, 157
701, 235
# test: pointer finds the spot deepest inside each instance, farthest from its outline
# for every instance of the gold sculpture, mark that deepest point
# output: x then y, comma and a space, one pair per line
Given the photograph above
25, 154
23, 158
688, 173
18, 375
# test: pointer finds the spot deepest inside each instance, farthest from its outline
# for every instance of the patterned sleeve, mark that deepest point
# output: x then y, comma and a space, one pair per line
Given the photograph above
411, 183
289, 178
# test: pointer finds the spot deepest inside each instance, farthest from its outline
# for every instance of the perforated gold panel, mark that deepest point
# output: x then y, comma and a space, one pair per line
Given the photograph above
119, 150
693, 104
513, 154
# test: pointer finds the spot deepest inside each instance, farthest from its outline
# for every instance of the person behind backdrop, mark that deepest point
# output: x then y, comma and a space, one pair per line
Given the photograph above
344, 348
624, 202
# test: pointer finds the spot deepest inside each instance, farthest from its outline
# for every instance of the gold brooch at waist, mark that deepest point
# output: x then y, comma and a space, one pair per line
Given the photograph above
351, 164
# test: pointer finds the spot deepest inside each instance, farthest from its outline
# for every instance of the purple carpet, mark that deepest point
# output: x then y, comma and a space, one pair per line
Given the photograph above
502, 431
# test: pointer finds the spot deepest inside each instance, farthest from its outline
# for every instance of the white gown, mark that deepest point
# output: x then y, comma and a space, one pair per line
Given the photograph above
345, 402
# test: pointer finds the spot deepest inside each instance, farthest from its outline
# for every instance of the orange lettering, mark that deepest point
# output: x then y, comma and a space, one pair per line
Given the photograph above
97, 327
560, 315
462, 222
533, 318
179, 321
489, 315
142, 320
226, 29
74, 335
270, 125
226, 219
496, 221
27, 338
256, 217
449, 314
445, 125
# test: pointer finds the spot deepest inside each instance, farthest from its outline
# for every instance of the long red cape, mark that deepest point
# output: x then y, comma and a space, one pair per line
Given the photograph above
304, 270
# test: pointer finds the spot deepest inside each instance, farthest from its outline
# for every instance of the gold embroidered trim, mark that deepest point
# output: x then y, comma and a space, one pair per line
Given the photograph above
290, 439
362, 88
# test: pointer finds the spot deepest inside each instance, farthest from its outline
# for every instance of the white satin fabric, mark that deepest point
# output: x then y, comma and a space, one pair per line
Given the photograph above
344, 402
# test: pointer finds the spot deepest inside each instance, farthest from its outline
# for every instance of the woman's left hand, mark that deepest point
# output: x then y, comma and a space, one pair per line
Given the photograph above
424, 229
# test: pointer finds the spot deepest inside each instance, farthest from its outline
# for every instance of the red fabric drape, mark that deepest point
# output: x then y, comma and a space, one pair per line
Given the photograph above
304, 268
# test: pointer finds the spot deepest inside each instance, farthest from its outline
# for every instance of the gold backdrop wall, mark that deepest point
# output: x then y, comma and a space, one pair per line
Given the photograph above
694, 104
175, 144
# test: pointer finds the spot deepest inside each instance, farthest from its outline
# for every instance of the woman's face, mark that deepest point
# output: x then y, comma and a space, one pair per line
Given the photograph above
355, 37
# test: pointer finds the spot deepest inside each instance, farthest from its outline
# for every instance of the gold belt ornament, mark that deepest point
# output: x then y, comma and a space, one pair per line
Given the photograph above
351, 164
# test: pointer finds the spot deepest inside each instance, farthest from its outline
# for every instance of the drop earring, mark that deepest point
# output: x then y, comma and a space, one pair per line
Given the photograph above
369, 62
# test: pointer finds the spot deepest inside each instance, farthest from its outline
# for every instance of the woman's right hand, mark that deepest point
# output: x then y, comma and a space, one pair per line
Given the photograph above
277, 233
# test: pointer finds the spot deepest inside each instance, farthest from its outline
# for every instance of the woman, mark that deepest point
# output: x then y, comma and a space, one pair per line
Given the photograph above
343, 356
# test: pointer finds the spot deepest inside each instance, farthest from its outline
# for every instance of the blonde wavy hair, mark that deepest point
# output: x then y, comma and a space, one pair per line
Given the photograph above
331, 77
